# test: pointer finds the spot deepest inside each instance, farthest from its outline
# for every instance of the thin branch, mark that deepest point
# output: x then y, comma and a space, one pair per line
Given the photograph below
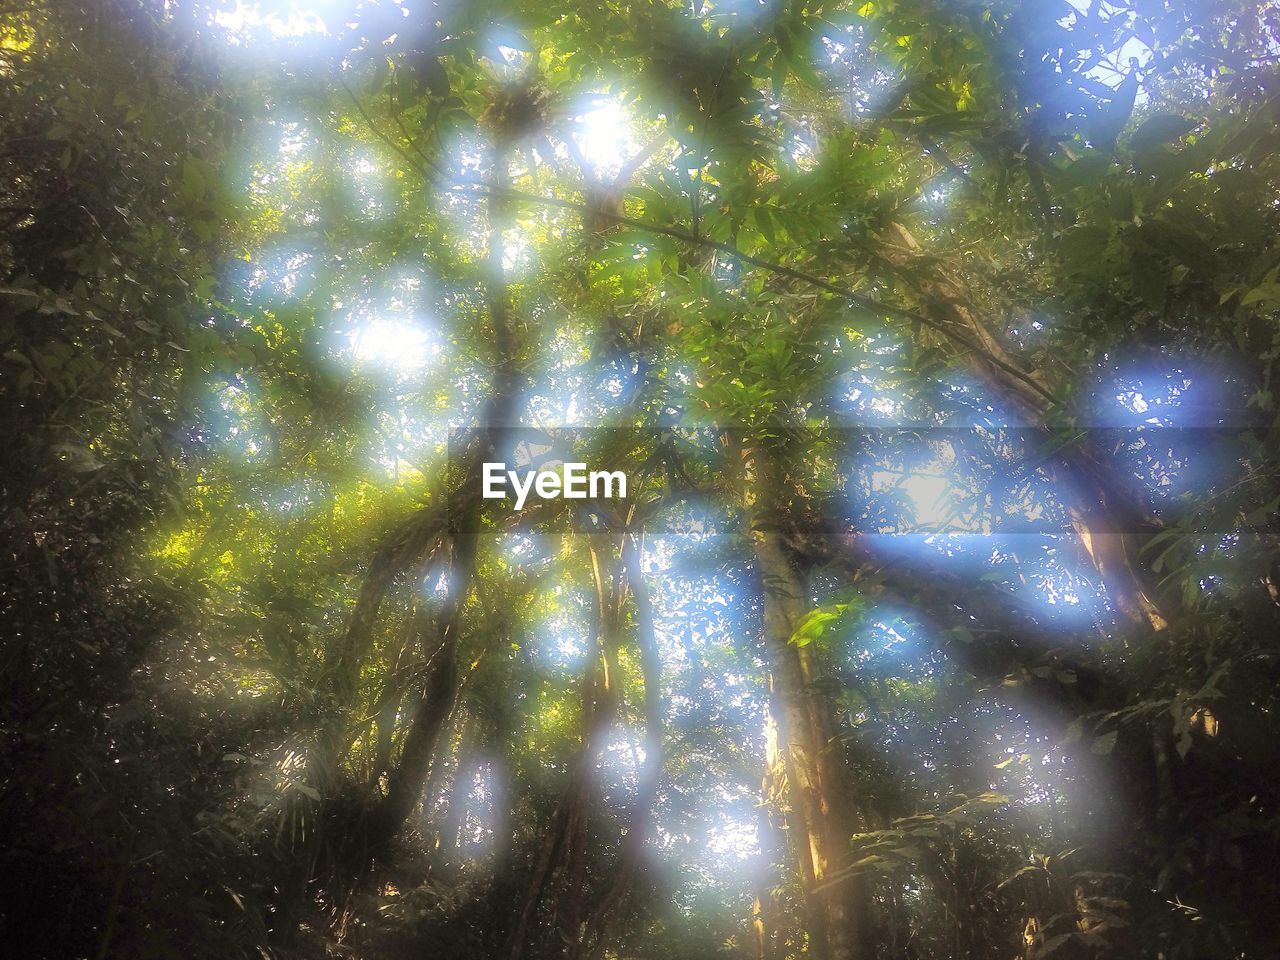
639, 160
845, 293
839, 290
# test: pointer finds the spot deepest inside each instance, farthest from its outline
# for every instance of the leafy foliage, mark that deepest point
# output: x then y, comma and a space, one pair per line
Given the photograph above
936, 341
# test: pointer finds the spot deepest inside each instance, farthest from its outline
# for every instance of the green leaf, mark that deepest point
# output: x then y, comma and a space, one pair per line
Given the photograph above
18, 300
194, 186
1110, 119
1159, 129
435, 75
1103, 745
1267, 293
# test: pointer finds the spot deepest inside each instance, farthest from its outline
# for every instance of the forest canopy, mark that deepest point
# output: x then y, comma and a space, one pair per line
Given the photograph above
934, 341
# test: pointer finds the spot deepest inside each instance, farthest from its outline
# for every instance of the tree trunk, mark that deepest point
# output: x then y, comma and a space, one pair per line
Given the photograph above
594, 937
562, 847
823, 818
1100, 511
770, 821
441, 688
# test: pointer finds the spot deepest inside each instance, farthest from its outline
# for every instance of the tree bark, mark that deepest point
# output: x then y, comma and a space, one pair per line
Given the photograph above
1099, 510
595, 937
770, 819
562, 847
823, 817
441, 687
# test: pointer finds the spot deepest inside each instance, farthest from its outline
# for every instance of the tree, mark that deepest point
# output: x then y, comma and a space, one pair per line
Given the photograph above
935, 342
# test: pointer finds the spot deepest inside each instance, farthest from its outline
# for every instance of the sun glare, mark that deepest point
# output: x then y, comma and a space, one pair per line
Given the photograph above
604, 136
928, 494
279, 18
398, 345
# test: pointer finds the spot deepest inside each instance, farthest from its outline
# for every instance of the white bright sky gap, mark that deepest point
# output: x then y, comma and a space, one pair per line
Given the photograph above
281, 18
